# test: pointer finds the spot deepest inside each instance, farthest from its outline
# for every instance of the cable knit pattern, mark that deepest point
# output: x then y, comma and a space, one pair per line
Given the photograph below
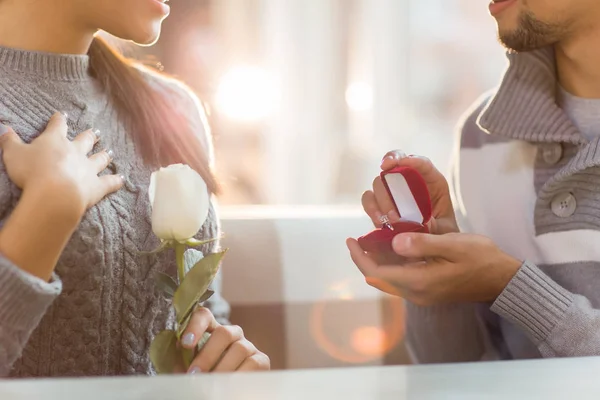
108, 312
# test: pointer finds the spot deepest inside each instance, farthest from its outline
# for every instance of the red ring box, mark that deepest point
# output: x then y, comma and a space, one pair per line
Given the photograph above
408, 190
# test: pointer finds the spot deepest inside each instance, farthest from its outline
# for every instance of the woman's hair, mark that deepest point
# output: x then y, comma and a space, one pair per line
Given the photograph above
161, 135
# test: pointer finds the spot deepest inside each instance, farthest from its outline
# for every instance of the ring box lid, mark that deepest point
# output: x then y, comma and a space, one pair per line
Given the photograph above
409, 192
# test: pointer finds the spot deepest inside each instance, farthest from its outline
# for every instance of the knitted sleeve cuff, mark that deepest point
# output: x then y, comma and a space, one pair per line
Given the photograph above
24, 298
533, 301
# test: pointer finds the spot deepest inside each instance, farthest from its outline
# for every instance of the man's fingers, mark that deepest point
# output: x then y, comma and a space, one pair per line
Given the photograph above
424, 245
8, 138
57, 125
384, 202
369, 203
391, 158
407, 278
365, 264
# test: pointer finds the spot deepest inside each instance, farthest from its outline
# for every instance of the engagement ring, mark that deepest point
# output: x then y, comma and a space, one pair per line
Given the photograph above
385, 221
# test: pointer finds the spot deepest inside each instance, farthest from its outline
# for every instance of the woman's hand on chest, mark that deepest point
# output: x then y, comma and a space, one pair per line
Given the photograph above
59, 169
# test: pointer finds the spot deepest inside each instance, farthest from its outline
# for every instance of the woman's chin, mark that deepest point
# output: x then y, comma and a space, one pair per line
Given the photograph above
141, 35
147, 38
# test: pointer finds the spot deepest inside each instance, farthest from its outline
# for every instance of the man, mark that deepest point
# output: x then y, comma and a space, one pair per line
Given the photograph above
527, 178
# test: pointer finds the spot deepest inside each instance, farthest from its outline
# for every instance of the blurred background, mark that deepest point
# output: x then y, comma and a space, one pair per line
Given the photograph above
305, 97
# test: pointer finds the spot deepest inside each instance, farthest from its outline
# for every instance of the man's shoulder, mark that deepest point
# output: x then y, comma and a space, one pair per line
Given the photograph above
471, 134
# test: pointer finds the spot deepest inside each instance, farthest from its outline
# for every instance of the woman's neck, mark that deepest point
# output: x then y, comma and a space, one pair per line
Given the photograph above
42, 26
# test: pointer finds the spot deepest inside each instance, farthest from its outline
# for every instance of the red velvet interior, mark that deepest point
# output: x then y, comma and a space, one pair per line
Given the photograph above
380, 240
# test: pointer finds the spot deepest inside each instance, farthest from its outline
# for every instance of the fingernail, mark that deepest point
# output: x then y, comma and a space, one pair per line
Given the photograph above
3, 129
122, 177
194, 371
96, 133
188, 339
110, 154
64, 114
386, 158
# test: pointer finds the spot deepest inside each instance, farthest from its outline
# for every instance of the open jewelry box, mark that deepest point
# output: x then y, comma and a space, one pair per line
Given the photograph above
409, 193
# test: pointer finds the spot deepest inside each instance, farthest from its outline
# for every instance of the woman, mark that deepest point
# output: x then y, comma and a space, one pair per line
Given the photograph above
76, 295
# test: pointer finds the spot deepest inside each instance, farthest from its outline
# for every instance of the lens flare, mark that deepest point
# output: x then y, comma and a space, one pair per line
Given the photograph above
369, 341
357, 330
359, 96
247, 94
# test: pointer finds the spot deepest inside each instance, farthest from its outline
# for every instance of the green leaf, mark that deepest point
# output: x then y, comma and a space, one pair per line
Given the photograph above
195, 242
195, 283
164, 353
165, 284
183, 325
166, 244
207, 295
187, 356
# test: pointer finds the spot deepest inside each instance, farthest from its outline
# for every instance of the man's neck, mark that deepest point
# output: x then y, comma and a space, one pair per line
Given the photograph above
43, 27
578, 65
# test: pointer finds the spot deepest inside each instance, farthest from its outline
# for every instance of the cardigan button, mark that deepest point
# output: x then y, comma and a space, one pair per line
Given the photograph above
564, 205
552, 153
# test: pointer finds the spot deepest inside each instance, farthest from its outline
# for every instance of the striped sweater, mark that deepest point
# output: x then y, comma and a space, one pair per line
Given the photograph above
528, 179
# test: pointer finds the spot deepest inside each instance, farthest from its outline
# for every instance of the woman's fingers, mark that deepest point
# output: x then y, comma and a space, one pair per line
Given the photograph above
107, 184
101, 160
202, 320
86, 140
235, 356
221, 338
8, 138
57, 125
257, 362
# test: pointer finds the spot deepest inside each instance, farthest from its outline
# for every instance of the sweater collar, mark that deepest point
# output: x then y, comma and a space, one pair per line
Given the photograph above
53, 66
524, 106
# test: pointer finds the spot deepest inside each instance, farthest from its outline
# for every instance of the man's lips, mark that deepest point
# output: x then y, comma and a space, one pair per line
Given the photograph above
497, 6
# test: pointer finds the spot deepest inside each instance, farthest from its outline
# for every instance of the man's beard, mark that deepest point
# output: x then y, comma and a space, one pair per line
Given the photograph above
531, 34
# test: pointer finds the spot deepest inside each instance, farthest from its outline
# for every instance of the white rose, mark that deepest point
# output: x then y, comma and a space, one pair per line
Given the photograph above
180, 202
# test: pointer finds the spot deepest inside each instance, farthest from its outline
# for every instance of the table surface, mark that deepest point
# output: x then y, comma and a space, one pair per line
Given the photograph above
576, 378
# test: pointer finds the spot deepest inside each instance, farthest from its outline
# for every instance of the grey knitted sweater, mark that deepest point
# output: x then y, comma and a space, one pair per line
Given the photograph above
100, 313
